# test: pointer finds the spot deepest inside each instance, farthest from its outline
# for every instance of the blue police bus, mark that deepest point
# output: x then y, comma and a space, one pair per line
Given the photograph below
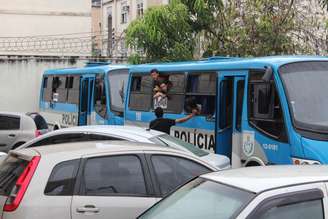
93, 94
257, 111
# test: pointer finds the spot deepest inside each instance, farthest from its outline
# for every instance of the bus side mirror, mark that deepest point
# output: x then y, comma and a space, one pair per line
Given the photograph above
263, 100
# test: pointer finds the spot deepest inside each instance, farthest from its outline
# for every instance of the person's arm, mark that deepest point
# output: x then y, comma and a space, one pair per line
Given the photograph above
184, 119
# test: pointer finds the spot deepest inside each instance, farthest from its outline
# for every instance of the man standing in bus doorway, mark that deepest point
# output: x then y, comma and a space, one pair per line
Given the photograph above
165, 124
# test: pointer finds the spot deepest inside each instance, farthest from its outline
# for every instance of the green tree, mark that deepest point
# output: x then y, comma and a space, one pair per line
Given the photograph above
253, 28
163, 34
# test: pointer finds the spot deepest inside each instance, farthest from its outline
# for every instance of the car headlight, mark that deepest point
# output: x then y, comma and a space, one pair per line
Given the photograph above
298, 161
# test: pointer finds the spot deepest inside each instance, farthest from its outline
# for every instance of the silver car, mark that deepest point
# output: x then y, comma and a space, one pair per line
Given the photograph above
129, 133
18, 128
112, 180
271, 192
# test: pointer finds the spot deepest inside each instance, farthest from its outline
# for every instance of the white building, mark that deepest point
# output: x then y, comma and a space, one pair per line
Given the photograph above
116, 16
45, 27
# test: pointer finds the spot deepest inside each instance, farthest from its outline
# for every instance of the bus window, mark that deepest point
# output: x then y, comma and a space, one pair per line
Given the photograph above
73, 86
141, 92
201, 91
175, 94
265, 111
240, 98
118, 80
226, 103
100, 96
62, 90
47, 89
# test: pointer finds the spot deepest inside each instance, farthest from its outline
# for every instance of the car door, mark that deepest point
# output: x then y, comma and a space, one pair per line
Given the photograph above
9, 130
113, 186
294, 202
170, 171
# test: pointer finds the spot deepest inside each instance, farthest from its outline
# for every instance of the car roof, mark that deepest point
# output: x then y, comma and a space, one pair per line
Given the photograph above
12, 113
78, 149
259, 179
117, 130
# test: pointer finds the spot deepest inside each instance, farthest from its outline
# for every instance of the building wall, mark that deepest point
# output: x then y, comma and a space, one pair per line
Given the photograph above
115, 8
96, 30
25, 77
26, 20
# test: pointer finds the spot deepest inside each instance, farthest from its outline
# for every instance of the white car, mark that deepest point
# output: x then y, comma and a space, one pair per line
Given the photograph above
98, 180
129, 133
271, 192
18, 128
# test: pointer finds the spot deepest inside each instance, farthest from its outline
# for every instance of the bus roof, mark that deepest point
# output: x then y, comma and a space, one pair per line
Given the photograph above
230, 63
85, 70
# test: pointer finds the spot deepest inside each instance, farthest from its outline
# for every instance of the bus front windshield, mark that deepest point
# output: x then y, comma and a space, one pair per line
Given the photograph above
306, 85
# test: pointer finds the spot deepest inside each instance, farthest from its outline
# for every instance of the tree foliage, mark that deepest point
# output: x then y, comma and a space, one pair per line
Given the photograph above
164, 33
253, 28
232, 28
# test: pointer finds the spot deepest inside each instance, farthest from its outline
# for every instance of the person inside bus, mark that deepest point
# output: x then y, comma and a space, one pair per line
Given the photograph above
165, 124
161, 83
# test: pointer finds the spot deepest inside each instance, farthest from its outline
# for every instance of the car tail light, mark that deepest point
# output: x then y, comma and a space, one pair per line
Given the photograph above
37, 133
17, 193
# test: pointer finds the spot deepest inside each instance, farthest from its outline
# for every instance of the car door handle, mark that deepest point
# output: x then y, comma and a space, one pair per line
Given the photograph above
88, 209
11, 135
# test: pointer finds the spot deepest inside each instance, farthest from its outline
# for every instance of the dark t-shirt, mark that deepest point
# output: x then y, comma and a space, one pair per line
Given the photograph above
162, 124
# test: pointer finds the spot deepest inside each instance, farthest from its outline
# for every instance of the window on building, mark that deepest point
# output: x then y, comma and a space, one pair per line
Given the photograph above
124, 12
100, 96
140, 9
200, 92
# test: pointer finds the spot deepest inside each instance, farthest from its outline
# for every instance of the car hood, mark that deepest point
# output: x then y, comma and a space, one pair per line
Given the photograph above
217, 160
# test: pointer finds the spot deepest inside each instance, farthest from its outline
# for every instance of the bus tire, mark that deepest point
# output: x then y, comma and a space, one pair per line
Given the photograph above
55, 127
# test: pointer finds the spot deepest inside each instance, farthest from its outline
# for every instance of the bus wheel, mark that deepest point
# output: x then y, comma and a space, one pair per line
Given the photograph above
55, 127
252, 164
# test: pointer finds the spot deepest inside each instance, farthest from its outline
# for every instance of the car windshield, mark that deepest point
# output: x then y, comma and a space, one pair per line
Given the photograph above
174, 142
306, 86
200, 198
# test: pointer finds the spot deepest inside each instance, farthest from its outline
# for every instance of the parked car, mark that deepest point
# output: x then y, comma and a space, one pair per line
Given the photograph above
129, 133
272, 192
114, 179
18, 128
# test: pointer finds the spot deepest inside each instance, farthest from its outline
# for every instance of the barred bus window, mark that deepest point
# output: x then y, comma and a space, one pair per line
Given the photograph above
100, 96
175, 93
73, 89
141, 92
47, 89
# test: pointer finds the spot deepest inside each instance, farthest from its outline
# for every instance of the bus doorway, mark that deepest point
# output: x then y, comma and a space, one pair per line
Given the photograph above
230, 91
86, 88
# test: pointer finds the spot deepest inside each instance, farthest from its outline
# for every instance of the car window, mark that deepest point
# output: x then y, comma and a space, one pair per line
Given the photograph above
10, 169
172, 171
62, 178
72, 137
9, 123
114, 175
308, 209
40, 122
177, 143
